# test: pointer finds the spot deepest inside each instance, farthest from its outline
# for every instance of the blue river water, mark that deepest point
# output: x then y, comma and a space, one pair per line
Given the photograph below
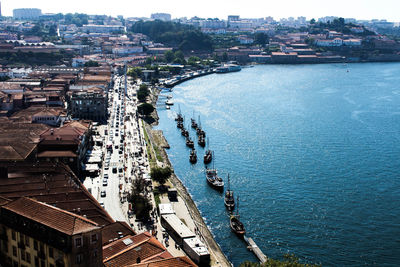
313, 151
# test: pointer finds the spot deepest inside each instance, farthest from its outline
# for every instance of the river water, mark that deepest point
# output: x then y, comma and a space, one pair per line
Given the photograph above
313, 152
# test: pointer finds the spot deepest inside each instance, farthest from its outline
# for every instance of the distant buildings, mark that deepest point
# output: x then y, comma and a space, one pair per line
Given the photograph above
161, 16
27, 13
91, 28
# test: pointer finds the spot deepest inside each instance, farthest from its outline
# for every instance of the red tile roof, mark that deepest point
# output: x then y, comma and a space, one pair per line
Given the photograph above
55, 218
119, 254
54, 184
171, 262
113, 231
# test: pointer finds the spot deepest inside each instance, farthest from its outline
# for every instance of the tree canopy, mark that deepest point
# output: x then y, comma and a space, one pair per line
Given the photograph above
160, 175
180, 36
289, 261
145, 109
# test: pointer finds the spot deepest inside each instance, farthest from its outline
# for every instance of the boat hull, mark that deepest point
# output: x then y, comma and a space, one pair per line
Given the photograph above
237, 227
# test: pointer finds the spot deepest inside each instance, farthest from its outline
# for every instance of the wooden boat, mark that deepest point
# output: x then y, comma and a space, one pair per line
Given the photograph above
200, 131
179, 125
179, 117
229, 199
193, 156
236, 225
193, 122
208, 154
184, 132
189, 142
201, 141
213, 179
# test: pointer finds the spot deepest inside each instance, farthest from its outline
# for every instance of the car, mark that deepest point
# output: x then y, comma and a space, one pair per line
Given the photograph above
105, 183
106, 167
120, 152
116, 134
114, 170
106, 176
101, 204
120, 170
116, 146
103, 193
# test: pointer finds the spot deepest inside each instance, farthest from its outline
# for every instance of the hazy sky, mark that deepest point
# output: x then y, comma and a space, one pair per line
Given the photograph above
360, 9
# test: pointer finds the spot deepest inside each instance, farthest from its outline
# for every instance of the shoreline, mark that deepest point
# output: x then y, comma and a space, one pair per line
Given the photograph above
218, 257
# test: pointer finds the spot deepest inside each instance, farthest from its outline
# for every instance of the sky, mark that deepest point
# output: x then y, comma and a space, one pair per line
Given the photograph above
359, 9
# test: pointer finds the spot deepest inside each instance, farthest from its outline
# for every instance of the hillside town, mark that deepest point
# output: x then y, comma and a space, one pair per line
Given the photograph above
77, 153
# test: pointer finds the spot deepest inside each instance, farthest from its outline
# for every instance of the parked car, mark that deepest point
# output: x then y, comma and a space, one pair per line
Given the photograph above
103, 193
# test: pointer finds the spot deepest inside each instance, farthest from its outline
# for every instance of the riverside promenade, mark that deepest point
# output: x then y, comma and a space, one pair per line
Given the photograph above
185, 208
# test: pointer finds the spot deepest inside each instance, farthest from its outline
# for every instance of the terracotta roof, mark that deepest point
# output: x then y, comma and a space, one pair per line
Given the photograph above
123, 254
55, 218
113, 231
52, 184
69, 133
171, 262
57, 154
18, 140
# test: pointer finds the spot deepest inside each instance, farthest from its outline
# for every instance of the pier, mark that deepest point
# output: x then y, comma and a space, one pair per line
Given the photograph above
255, 249
180, 79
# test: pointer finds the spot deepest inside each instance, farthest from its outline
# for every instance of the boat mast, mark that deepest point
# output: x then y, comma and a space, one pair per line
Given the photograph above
237, 208
229, 189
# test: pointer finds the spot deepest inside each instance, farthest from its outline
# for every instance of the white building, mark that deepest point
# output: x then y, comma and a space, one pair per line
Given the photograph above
352, 42
127, 50
92, 28
334, 42
161, 16
212, 24
27, 13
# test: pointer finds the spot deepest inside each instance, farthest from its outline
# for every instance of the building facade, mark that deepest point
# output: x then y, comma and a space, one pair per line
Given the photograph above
37, 234
27, 13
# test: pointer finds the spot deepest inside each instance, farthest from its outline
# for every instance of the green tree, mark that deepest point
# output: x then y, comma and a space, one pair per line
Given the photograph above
261, 38
289, 261
160, 175
312, 21
193, 60
224, 56
135, 72
91, 63
169, 56
145, 109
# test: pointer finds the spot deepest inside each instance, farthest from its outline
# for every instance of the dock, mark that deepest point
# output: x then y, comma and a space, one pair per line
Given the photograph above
255, 249
180, 79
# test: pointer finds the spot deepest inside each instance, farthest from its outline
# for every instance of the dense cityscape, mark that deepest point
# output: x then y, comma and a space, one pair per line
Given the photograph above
85, 179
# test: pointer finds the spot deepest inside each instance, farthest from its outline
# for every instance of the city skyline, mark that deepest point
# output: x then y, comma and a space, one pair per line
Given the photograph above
359, 9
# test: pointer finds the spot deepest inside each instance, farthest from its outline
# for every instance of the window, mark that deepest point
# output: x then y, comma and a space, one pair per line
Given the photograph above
27, 243
95, 253
51, 253
21, 238
5, 246
42, 263
51, 265
13, 235
14, 251
78, 242
28, 257
36, 261
93, 238
79, 258
35, 245
23, 255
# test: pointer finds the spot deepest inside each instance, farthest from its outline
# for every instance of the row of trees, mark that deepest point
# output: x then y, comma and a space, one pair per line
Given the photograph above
288, 261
